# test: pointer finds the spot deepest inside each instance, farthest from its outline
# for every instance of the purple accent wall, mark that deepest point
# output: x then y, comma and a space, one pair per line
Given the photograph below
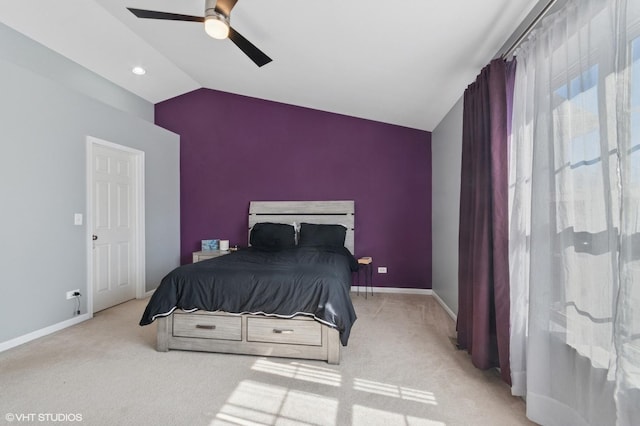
234, 149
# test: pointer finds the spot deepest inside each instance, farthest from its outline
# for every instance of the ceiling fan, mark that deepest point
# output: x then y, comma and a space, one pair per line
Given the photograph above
216, 23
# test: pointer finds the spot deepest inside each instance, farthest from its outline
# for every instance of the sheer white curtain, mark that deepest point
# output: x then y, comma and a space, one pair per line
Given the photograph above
575, 217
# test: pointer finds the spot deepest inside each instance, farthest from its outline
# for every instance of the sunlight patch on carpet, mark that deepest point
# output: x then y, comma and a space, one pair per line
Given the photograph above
401, 392
300, 371
254, 403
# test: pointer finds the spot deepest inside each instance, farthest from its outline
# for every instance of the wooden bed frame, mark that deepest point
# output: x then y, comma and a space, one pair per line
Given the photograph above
299, 337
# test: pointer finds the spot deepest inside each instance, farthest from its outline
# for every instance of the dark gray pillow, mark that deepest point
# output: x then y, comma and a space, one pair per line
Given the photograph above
272, 236
317, 235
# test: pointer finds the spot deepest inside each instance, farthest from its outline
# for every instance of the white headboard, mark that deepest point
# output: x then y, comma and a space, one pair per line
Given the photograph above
321, 212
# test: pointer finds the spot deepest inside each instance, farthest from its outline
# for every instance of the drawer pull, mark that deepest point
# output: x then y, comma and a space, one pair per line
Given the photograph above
206, 327
282, 331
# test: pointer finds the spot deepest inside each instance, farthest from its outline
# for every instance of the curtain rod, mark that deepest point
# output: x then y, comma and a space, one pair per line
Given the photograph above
529, 28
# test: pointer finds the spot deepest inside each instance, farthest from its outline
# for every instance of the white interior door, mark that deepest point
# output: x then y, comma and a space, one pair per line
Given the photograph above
114, 222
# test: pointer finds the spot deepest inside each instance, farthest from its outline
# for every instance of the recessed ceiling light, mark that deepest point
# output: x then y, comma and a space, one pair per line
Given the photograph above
139, 71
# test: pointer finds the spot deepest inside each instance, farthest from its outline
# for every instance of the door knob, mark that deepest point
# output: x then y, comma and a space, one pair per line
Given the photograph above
95, 237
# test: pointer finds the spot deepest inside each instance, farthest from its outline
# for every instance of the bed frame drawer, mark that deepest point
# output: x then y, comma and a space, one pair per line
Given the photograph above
274, 330
207, 326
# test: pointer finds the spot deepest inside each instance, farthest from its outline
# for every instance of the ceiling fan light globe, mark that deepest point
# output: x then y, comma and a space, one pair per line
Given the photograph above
216, 27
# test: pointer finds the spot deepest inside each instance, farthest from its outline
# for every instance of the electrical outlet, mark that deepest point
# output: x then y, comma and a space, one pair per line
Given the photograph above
382, 269
70, 294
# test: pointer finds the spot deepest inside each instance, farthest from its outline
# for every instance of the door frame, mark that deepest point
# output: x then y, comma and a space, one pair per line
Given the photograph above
137, 157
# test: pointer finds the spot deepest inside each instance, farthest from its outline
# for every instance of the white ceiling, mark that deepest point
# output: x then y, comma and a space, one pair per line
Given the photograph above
406, 66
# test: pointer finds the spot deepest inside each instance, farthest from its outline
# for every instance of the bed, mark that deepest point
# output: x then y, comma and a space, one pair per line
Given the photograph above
276, 298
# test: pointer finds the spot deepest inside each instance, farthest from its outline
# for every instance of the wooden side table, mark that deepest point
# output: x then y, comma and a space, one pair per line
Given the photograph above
365, 264
207, 254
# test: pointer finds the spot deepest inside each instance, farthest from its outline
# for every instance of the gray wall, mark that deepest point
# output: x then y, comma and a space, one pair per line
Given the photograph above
48, 106
446, 148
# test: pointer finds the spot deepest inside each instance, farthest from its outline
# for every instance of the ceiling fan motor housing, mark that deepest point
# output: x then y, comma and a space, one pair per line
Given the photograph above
210, 10
216, 22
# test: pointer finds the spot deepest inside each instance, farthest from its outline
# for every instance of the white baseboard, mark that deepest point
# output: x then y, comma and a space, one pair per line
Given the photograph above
445, 307
51, 329
43, 332
81, 318
398, 290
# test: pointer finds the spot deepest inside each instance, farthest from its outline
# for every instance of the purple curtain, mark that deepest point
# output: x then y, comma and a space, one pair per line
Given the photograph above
483, 271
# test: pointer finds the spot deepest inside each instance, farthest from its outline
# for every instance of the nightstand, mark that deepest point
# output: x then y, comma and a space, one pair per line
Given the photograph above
207, 254
365, 264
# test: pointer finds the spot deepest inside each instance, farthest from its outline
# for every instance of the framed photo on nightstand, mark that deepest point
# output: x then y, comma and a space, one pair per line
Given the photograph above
210, 244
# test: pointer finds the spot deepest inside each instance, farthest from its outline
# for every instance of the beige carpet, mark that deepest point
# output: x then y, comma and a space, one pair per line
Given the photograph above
400, 368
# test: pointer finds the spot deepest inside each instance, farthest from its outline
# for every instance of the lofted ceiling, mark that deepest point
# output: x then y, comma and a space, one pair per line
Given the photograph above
406, 66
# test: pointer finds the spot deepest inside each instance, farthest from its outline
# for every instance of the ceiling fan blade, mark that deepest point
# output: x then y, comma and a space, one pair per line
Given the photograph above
249, 49
151, 14
225, 6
